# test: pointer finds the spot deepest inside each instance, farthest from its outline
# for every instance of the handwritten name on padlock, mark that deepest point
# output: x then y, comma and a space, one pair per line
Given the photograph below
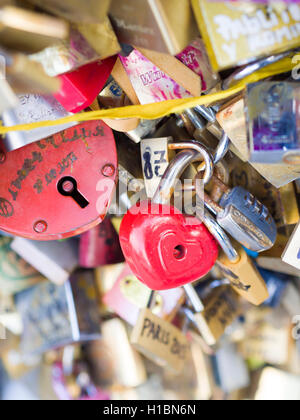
160, 341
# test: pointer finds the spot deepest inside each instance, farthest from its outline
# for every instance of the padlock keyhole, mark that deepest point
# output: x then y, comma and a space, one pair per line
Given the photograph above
179, 252
67, 186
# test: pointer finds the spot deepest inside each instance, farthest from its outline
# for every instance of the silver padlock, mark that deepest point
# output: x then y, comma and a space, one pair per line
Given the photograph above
244, 217
32, 108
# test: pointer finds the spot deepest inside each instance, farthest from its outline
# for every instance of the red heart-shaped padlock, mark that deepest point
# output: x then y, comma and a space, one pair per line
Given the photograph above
164, 248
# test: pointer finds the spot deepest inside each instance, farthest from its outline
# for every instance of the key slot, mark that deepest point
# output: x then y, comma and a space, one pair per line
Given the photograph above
67, 186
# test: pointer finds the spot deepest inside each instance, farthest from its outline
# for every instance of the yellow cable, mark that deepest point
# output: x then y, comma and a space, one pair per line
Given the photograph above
160, 109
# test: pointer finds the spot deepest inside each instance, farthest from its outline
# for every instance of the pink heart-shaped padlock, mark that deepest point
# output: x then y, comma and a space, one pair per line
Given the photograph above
164, 248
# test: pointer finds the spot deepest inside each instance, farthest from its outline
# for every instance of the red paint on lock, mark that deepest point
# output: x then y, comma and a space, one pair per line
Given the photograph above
164, 248
100, 246
80, 88
31, 205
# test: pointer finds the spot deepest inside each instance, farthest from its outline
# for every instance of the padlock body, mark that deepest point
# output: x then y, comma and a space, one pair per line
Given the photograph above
164, 248
247, 220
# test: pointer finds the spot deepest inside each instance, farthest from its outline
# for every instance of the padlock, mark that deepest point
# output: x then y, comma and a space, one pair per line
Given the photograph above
234, 36
221, 308
54, 316
15, 273
182, 243
281, 202
33, 108
75, 170
128, 295
162, 25
159, 340
29, 32
91, 11
55, 260
232, 119
100, 37
76, 91
244, 217
237, 265
273, 117
100, 246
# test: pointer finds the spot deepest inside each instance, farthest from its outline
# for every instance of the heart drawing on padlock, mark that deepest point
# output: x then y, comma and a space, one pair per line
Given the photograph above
163, 249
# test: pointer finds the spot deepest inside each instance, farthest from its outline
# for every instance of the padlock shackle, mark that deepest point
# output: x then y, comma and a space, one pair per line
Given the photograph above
174, 171
178, 165
220, 236
246, 71
197, 121
208, 113
202, 152
222, 148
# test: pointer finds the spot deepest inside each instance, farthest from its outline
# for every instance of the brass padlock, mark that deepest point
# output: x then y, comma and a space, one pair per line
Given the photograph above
160, 341
244, 277
221, 308
100, 37
167, 26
